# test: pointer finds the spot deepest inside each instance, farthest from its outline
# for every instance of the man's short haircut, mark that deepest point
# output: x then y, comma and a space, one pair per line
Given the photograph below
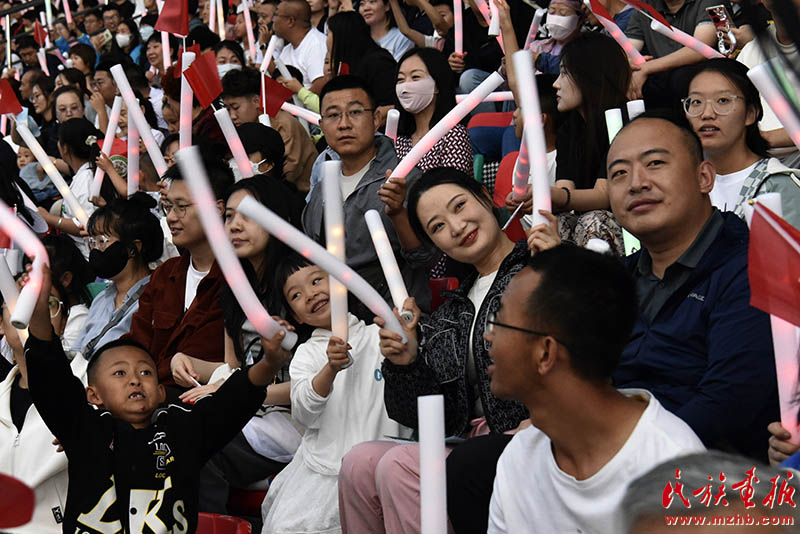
96, 356
241, 83
690, 139
105, 65
86, 53
343, 83
301, 11
26, 41
587, 301
135, 76
219, 174
36, 76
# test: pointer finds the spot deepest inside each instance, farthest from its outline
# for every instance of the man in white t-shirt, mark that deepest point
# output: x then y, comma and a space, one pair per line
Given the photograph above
563, 322
305, 46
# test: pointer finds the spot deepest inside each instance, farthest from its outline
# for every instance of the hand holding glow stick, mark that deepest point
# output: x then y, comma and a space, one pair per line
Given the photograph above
498, 96
111, 132
303, 244
192, 168
133, 159
432, 471
532, 116
187, 97
635, 108
761, 78
248, 23
534, 29
613, 123
458, 24
234, 142
50, 169
447, 123
392, 121
685, 39
388, 263
33, 248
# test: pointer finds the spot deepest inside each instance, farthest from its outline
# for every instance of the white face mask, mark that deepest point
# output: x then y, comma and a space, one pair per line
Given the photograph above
123, 39
226, 68
146, 32
417, 95
560, 27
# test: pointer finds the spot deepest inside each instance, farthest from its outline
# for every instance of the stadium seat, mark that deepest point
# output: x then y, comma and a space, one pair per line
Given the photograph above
502, 187
221, 524
437, 285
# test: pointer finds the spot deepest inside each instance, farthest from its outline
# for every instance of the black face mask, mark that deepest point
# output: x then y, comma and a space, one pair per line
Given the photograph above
109, 262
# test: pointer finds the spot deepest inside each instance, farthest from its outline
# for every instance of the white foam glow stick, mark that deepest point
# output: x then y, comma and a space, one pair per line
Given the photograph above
48, 9
377, 231
685, 39
392, 120
67, 12
532, 117
287, 76
46, 30
185, 127
447, 123
135, 113
221, 20
8, 41
196, 178
497, 96
486, 11
334, 240
212, 16
761, 78
522, 168
458, 24
133, 159
534, 29
432, 471
494, 23
303, 244
3, 125
165, 51
33, 248
635, 108
111, 131
275, 44
619, 36
40, 55
234, 142
248, 23
613, 123
301, 113
50, 169
8, 287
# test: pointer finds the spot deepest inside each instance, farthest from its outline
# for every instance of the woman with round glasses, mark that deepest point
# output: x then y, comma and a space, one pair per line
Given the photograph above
724, 108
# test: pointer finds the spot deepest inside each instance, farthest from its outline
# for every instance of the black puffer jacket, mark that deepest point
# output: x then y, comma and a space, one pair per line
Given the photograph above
442, 364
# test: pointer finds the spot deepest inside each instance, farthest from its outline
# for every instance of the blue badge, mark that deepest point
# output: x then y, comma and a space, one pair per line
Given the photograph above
378, 375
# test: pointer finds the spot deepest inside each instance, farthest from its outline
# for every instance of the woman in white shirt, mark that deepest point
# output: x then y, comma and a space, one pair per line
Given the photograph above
383, 28
724, 108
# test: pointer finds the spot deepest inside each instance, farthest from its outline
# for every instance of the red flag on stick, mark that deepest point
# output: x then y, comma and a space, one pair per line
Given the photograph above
39, 34
599, 10
643, 6
8, 99
176, 73
203, 76
275, 95
174, 17
774, 265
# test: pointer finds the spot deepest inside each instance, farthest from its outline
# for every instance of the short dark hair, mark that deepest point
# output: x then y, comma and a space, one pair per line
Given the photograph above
234, 47
574, 284
342, 83
85, 52
691, 141
219, 174
96, 356
26, 41
75, 78
259, 138
131, 219
64, 89
287, 266
241, 83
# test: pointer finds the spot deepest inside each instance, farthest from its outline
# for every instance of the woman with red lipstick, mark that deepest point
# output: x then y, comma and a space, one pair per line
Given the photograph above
724, 108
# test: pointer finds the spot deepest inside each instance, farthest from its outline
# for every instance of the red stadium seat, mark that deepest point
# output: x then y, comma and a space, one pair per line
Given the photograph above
502, 187
221, 524
437, 285
499, 119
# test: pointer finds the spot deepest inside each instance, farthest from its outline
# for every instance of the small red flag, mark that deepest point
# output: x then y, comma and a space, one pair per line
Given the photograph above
773, 265
344, 68
8, 99
176, 73
18, 501
275, 95
203, 76
174, 17
599, 10
39, 34
643, 6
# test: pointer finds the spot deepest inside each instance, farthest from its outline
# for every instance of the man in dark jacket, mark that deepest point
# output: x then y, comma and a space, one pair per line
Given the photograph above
697, 345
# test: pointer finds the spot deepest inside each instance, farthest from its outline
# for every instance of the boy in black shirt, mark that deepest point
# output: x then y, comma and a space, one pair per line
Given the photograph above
133, 468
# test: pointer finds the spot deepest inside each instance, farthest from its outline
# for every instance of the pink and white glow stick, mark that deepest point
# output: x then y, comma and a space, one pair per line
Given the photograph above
185, 127
532, 117
212, 15
534, 29
522, 168
613, 123
334, 239
458, 25
40, 55
234, 142
46, 27
3, 125
494, 23
50, 169
135, 113
275, 44
196, 178
221, 20
432, 465
498, 96
111, 133
635, 108
248, 23
165, 52
761, 78
685, 39
67, 12
303, 244
448, 122
377, 231
8, 40
486, 11
133, 159
392, 121
33, 248
8, 287
301, 113
619, 36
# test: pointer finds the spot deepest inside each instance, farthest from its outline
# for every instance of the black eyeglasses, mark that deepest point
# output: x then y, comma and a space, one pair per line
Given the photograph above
491, 322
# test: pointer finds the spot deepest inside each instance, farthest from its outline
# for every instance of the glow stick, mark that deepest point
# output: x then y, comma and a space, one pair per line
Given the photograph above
8, 41
498, 96
635, 108
522, 168
494, 23
613, 123
532, 117
486, 11
761, 78
165, 53
685, 39
334, 239
8, 287
45, 25
619, 36
196, 178
135, 113
392, 120
185, 128
286, 76
234, 142
264, 119
388, 263
212, 16
458, 23
111, 131
220, 20
133, 159
275, 43
67, 12
303, 244
447, 123
301, 113
33, 248
40, 55
50, 169
3, 125
432, 472
534, 29
248, 22
49, 11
